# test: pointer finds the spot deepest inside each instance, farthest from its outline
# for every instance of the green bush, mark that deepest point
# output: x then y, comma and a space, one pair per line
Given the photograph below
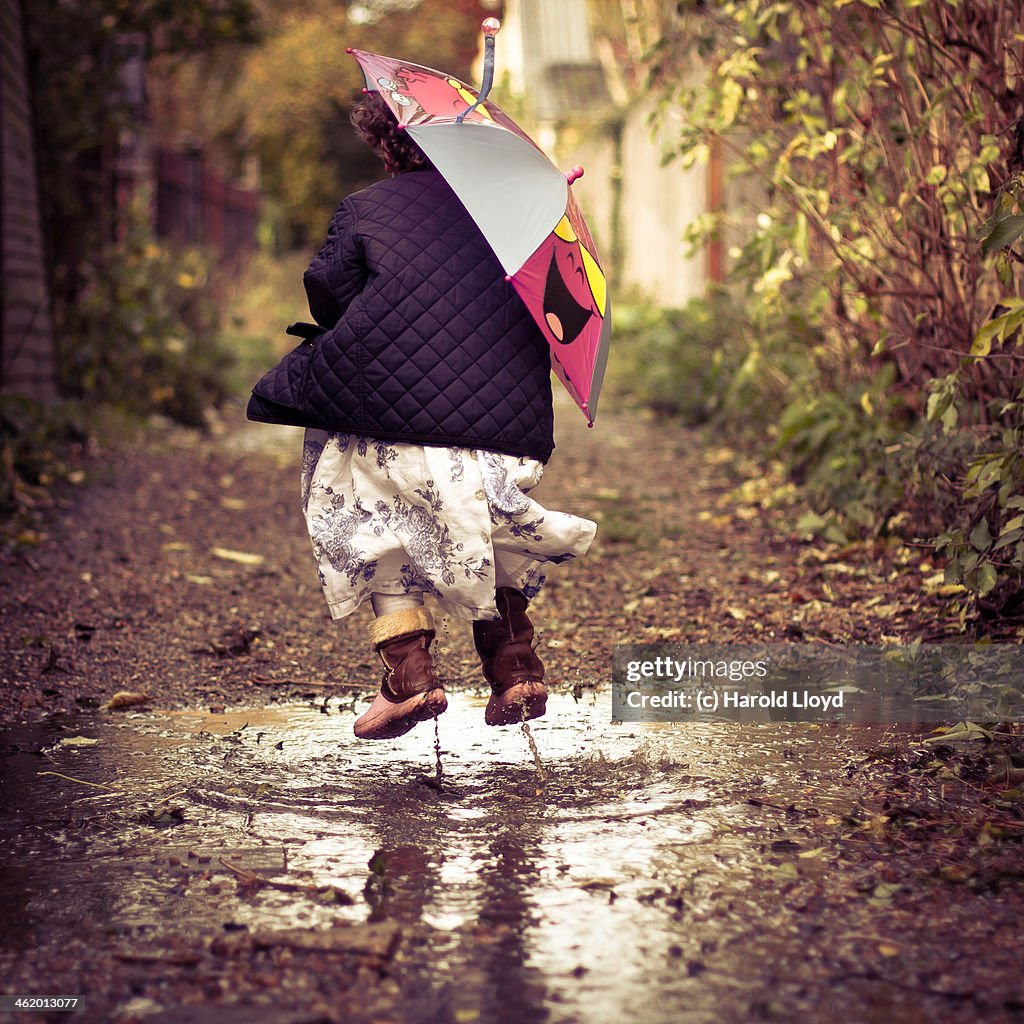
880, 190
865, 463
985, 543
258, 304
663, 359
144, 333
706, 363
38, 445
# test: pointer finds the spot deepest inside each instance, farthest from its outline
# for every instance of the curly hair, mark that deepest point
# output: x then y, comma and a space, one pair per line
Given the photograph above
376, 126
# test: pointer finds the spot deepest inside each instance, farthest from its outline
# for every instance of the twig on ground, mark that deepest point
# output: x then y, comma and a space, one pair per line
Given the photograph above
82, 782
251, 878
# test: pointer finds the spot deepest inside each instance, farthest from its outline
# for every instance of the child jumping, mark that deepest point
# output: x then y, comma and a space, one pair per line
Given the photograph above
432, 382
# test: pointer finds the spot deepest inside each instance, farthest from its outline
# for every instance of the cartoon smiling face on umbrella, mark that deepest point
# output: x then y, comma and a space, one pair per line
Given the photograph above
575, 290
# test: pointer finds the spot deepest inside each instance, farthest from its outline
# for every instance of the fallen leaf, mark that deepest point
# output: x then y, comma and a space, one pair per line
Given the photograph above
885, 890
183, 959
1004, 773
784, 845
937, 586
163, 815
125, 699
241, 557
956, 872
963, 731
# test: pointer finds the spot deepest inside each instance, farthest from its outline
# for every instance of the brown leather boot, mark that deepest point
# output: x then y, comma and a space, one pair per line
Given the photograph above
410, 692
510, 663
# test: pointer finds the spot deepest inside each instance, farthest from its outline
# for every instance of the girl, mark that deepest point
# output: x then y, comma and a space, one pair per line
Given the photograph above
431, 383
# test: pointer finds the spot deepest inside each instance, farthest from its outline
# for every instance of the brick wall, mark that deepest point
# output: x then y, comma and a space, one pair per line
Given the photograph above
27, 360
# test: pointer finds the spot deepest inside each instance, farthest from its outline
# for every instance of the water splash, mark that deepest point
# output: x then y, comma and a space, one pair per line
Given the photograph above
439, 772
541, 774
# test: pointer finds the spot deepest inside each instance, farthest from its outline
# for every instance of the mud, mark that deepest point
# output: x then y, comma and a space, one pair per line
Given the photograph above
638, 875
258, 865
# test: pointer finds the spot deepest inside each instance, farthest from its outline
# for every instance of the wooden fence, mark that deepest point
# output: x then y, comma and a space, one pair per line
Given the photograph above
196, 206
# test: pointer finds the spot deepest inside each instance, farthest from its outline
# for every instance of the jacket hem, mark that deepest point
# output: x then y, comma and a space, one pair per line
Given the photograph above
446, 441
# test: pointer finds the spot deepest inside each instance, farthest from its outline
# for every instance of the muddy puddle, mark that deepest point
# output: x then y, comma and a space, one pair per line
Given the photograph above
625, 880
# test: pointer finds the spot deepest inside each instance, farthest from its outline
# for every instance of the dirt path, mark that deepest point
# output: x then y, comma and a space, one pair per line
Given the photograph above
124, 589
226, 851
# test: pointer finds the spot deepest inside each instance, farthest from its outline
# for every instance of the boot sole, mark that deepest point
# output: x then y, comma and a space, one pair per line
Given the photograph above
398, 719
520, 703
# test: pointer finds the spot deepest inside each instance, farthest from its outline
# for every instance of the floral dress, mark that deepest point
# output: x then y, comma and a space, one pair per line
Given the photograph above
396, 518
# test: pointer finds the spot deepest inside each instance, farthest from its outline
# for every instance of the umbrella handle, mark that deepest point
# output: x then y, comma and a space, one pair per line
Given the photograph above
490, 28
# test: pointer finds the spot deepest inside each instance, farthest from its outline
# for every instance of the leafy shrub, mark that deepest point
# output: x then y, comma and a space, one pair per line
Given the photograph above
985, 543
37, 446
706, 362
663, 359
882, 191
866, 463
144, 332
258, 304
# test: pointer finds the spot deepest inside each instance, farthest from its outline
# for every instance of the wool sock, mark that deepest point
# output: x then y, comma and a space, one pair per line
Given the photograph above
388, 604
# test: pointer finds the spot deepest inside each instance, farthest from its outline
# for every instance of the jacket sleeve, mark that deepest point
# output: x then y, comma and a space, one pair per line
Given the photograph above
338, 272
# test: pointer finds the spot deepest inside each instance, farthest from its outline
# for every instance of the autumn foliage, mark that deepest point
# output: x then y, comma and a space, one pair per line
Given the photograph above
881, 151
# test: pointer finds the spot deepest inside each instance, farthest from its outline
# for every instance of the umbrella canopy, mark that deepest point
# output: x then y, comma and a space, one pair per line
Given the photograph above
520, 201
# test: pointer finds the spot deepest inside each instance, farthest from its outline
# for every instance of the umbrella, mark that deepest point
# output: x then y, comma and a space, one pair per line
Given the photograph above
520, 201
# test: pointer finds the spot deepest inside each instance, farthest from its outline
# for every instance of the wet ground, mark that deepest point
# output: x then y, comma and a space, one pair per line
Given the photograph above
255, 864
625, 877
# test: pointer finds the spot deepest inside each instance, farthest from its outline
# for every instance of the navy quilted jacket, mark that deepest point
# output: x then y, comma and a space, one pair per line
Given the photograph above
426, 341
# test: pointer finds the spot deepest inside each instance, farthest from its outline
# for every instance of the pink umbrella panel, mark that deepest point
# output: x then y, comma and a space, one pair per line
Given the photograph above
523, 205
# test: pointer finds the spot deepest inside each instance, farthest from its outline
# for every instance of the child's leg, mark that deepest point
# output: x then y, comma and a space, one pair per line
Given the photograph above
410, 692
387, 604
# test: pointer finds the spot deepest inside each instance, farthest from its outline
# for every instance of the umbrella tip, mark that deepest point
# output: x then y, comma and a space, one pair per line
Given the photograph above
490, 26
508, 278
349, 49
573, 174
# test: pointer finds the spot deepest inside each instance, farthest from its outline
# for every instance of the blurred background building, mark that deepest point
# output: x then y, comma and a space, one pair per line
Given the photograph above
566, 63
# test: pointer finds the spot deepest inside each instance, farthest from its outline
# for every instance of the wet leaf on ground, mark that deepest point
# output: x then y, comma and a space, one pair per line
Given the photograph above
238, 557
126, 699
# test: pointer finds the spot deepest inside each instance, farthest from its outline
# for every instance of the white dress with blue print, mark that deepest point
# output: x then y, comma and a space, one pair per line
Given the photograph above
394, 518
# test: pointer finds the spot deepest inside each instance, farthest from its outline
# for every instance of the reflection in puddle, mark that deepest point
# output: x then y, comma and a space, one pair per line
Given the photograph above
555, 895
